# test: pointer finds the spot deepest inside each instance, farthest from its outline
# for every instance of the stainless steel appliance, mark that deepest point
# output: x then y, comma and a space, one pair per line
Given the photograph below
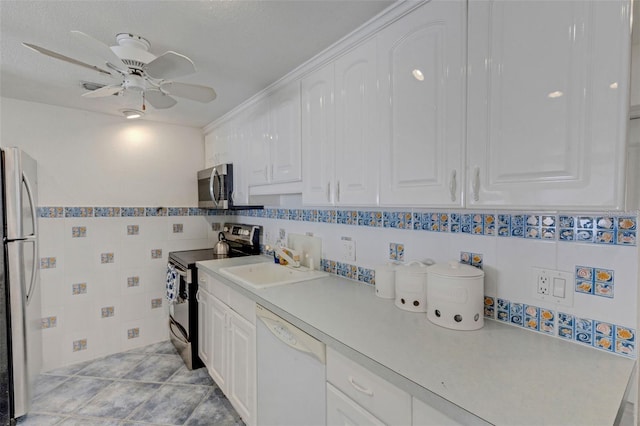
215, 189
21, 340
243, 240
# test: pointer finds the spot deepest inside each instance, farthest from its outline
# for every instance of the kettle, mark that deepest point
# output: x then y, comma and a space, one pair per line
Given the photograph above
221, 249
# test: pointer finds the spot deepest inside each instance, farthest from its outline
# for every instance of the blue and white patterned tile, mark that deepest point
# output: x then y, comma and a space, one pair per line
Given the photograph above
78, 211
178, 211
132, 211
155, 211
625, 341
50, 212
366, 275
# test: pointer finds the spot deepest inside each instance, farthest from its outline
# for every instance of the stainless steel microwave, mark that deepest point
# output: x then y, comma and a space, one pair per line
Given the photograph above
215, 189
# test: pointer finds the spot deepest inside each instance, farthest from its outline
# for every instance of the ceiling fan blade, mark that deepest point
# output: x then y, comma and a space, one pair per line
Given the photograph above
104, 91
170, 65
61, 57
194, 92
102, 50
159, 100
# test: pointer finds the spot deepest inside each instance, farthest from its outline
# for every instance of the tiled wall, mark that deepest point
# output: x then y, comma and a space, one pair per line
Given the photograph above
103, 273
506, 245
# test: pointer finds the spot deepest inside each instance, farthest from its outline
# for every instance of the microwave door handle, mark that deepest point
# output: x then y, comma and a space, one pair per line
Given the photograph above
214, 175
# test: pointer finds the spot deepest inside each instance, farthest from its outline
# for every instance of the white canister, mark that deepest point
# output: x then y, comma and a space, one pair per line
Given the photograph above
386, 280
456, 296
411, 287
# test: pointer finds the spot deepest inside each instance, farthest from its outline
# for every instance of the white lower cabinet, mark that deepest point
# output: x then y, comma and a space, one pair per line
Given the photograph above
343, 411
357, 396
226, 321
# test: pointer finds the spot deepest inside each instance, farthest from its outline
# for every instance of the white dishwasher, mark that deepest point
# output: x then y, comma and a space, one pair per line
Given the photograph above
291, 374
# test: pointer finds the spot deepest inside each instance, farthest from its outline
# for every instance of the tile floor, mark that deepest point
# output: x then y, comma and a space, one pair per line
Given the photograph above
146, 386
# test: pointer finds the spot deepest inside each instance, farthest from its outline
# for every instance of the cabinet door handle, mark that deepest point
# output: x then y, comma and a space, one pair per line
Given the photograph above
453, 185
475, 184
360, 388
338, 191
329, 192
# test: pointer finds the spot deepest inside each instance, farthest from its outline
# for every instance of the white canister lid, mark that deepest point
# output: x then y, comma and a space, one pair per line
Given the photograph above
455, 269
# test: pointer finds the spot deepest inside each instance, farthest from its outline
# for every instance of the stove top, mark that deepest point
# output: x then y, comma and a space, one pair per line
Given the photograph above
244, 240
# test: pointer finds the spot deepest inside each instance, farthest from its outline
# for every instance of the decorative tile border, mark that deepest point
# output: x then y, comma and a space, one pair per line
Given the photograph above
598, 334
596, 229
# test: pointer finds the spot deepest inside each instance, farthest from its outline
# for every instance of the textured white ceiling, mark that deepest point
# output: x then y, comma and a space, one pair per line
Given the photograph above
239, 47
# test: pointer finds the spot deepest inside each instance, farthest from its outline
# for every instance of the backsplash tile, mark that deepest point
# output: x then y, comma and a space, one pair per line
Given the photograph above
396, 252
79, 345
133, 229
156, 303
107, 312
133, 281
178, 228
132, 211
79, 288
78, 211
78, 231
598, 281
107, 212
107, 258
133, 333
48, 322
156, 253
47, 262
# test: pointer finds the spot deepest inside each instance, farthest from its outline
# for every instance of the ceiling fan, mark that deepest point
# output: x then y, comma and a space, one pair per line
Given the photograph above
137, 69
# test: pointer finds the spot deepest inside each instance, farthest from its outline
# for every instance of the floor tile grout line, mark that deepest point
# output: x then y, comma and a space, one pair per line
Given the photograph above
204, 398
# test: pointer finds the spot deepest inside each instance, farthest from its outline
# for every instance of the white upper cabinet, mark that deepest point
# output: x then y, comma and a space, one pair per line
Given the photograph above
547, 103
422, 60
340, 130
274, 142
318, 136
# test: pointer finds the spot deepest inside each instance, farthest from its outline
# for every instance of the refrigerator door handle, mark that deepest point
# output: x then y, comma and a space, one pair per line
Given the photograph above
32, 238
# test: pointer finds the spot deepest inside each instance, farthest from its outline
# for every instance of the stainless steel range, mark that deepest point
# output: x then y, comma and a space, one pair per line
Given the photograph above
243, 240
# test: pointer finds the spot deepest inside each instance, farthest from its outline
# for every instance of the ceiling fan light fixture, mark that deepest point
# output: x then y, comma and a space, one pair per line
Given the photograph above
131, 114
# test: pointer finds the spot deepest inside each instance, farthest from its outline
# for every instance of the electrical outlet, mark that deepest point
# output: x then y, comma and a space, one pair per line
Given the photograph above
543, 282
553, 286
348, 249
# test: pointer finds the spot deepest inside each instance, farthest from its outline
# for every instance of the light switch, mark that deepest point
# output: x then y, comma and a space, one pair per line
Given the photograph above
559, 286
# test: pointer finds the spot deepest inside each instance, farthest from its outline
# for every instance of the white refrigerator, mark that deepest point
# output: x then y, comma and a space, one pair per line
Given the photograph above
20, 317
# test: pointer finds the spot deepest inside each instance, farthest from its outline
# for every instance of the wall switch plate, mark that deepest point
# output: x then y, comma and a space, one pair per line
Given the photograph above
348, 249
552, 286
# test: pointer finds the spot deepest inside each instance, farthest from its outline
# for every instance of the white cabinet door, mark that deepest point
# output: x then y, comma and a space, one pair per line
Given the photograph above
239, 153
422, 61
548, 103
343, 411
340, 131
357, 127
242, 367
259, 158
286, 162
219, 360
204, 327
318, 137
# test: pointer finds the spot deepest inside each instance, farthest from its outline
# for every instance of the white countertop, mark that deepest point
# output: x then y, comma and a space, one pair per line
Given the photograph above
503, 374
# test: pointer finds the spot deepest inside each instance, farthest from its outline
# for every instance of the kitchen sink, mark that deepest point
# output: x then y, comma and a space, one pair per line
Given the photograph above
262, 275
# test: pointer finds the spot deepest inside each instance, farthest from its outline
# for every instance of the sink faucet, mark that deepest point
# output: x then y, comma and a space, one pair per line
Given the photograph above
290, 256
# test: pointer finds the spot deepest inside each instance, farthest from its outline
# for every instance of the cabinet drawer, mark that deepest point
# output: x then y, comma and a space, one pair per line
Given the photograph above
342, 411
374, 394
